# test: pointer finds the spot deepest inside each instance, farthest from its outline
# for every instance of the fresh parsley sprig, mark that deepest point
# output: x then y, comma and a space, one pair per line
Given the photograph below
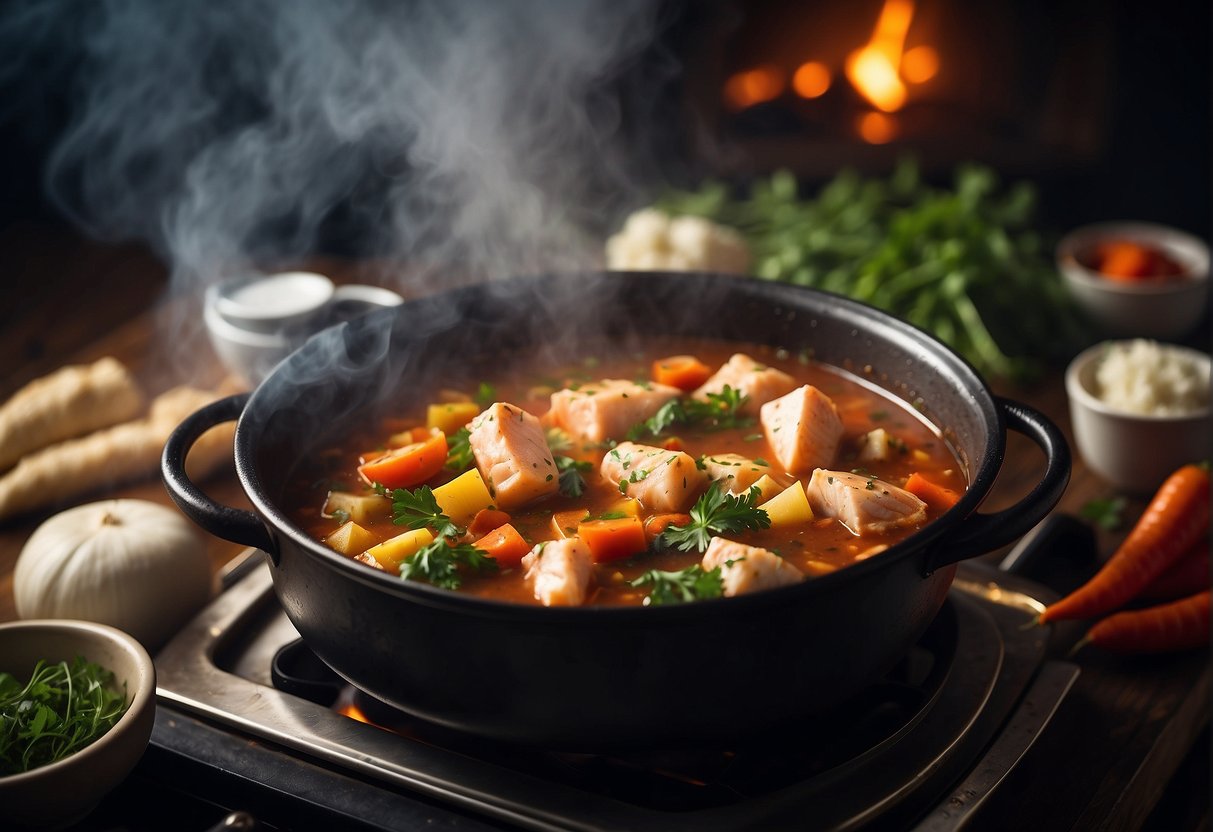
459, 456
439, 563
716, 512
572, 483
720, 411
419, 509
691, 584
64, 707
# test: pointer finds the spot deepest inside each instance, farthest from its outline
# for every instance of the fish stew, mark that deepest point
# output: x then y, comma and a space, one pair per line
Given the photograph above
698, 469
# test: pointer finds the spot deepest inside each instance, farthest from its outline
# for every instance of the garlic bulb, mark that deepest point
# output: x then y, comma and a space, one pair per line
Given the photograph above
133, 564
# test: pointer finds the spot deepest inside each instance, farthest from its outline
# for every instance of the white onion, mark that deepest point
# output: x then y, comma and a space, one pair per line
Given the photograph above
133, 564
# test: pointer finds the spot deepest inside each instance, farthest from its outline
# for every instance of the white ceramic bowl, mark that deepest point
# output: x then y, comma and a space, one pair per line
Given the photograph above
246, 353
1145, 309
272, 303
1133, 452
64, 792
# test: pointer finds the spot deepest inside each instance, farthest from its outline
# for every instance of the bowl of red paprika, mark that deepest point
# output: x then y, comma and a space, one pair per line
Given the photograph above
1137, 279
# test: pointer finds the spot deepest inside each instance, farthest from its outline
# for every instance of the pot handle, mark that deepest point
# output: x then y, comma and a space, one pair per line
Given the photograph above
229, 523
981, 533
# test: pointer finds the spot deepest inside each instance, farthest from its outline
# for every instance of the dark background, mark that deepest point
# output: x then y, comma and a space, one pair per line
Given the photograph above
1154, 164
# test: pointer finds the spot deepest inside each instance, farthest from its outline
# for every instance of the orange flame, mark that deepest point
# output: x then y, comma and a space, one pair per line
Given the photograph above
874, 69
812, 79
354, 712
753, 86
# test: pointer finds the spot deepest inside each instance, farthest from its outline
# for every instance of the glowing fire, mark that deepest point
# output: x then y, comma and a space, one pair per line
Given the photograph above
354, 712
880, 71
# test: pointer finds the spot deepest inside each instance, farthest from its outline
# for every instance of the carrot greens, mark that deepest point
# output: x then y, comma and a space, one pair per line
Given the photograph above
64, 707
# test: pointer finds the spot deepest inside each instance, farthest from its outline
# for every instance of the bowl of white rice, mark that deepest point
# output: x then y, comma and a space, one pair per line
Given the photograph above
1139, 410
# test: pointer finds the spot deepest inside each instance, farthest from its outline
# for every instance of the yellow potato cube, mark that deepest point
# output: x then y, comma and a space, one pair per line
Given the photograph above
350, 539
627, 507
767, 488
449, 417
788, 507
463, 496
361, 508
392, 552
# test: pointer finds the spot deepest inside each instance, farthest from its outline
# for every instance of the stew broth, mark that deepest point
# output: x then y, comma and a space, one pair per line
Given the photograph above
820, 545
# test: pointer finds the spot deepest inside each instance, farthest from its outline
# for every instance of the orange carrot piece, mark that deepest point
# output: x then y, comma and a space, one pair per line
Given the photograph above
1176, 517
1189, 575
504, 545
613, 539
1179, 625
658, 523
686, 372
934, 495
488, 519
408, 466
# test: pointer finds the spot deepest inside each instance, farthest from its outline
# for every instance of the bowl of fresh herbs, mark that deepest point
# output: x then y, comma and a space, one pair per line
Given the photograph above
77, 703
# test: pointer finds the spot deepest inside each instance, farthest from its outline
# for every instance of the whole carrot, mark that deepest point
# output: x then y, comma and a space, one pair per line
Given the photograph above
1188, 575
1179, 625
1176, 517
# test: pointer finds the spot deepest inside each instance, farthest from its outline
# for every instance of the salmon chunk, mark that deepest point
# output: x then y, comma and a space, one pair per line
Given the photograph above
748, 568
734, 472
803, 429
608, 408
863, 504
663, 481
758, 382
513, 457
559, 572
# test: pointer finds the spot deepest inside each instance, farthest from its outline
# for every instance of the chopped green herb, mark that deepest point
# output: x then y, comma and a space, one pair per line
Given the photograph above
61, 709
486, 394
459, 456
419, 509
721, 411
341, 516
1107, 513
716, 512
438, 563
572, 484
690, 584
558, 440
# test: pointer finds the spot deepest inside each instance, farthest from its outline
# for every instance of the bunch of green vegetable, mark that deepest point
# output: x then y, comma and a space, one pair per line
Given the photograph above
64, 707
964, 264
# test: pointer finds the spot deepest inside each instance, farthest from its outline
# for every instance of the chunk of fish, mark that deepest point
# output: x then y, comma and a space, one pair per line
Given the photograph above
734, 472
559, 572
758, 382
663, 481
748, 568
512, 455
608, 408
863, 504
803, 429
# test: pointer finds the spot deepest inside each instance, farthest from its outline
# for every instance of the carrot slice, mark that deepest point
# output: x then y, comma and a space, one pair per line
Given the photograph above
408, 466
504, 545
686, 372
564, 523
613, 539
1179, 625
1175, 519
658, 523
488, 519
934, 495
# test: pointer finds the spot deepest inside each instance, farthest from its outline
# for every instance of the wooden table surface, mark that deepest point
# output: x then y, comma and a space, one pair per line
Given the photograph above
79, 301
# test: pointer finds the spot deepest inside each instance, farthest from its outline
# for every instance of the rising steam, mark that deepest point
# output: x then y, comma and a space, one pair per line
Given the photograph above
236, 134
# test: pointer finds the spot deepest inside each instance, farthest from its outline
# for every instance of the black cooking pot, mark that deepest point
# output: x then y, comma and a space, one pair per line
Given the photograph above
719, 671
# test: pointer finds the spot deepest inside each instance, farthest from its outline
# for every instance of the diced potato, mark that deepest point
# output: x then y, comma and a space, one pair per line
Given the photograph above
627, 507
463, 496
874, 446
767, 488
392, 552
449, 417
920, 455
350, 539
564, 523
789, 506
361, 508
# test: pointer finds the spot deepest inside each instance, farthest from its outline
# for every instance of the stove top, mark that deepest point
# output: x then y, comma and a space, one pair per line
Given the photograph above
926, 745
